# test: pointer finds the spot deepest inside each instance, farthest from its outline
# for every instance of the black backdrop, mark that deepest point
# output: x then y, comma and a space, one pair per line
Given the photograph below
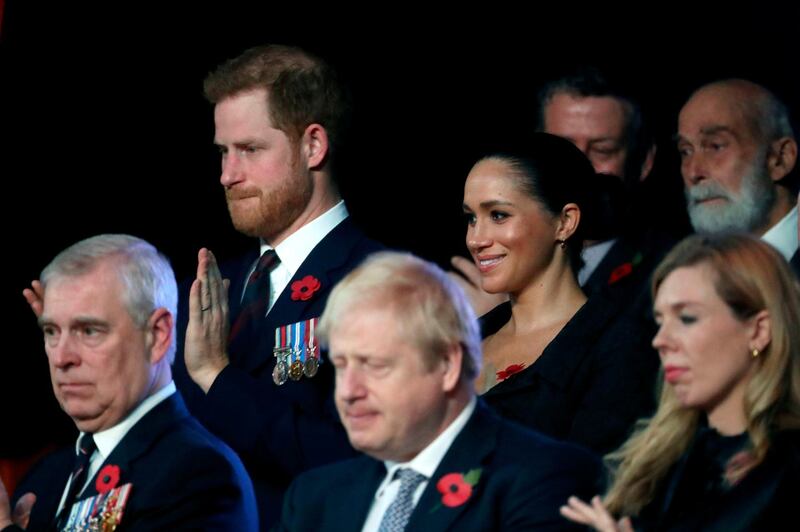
104, 127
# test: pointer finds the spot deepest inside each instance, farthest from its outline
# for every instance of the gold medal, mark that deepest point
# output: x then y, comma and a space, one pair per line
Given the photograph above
296, 370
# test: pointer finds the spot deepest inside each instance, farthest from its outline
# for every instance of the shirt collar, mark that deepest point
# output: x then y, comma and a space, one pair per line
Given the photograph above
297, 246
431, 456
592, 257
783, 235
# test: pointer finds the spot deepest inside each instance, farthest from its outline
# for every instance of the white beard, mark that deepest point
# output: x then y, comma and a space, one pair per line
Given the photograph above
746, 211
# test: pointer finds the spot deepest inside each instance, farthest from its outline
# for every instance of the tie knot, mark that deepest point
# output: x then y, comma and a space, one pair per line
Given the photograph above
267, 261
86, 445
408, 477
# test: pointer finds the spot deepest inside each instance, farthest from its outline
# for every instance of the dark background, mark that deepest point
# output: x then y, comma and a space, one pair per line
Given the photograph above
104, 127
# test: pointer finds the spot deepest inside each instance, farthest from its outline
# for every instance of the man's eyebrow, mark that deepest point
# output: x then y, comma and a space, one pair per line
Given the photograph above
78, 321
706, 132
715, 130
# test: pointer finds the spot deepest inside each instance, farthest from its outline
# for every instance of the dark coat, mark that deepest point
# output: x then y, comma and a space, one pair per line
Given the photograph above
183, 478
590, 384
278, 431
690, 499
525, 478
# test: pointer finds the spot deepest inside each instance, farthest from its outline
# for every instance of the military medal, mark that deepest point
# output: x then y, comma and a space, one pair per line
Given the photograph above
281, 353
101, 513
280, 373
311, 364
296, 368
296, 351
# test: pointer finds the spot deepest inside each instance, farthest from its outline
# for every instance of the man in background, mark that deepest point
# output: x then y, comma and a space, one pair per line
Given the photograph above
738, 151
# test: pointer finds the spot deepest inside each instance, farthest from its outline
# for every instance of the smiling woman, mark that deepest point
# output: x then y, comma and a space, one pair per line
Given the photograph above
571, 368
723, 450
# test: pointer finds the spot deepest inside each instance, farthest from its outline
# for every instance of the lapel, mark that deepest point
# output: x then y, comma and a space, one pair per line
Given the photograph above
352, 498
140, 439
471, 449
328, 262
621, 252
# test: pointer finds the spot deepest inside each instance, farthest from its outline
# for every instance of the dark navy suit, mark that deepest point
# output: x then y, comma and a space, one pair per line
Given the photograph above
183, 478
278, 431
524, 479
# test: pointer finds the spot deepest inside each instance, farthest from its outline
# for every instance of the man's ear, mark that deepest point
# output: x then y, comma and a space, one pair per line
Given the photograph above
159, 334
647, 165
568, 221
452, 367
315, 145
781, 157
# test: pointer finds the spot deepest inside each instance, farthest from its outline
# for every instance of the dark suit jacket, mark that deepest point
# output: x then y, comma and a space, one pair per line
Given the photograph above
641, 252
278, 431
590, 384
183, 477
765, 499
795, 263
525, 477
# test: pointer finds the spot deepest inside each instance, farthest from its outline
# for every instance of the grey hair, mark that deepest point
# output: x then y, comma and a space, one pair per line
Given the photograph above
431, 310
773, 117
148, 282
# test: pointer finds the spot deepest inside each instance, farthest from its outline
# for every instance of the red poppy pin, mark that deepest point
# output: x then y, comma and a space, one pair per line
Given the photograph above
107, 479
503, 374
620, 272
305, 288
625, 269
456, 488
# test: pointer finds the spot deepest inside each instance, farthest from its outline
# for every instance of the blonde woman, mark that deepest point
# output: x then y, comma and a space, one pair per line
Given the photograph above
722, 451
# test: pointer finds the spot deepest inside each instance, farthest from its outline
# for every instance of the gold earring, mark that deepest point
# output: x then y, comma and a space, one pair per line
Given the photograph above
755, 353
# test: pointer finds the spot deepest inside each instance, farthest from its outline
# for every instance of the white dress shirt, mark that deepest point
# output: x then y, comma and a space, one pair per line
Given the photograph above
297, 247
425, 463
783, 235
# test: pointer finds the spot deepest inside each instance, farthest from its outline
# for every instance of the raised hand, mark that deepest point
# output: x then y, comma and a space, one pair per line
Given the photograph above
205, 347
22, 511
35, 297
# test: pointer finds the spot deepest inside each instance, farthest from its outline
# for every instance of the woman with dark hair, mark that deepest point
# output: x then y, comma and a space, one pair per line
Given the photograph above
722, 452
573, 369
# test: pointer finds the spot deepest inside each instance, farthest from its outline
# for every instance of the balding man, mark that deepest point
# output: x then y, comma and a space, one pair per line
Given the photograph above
737, 150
